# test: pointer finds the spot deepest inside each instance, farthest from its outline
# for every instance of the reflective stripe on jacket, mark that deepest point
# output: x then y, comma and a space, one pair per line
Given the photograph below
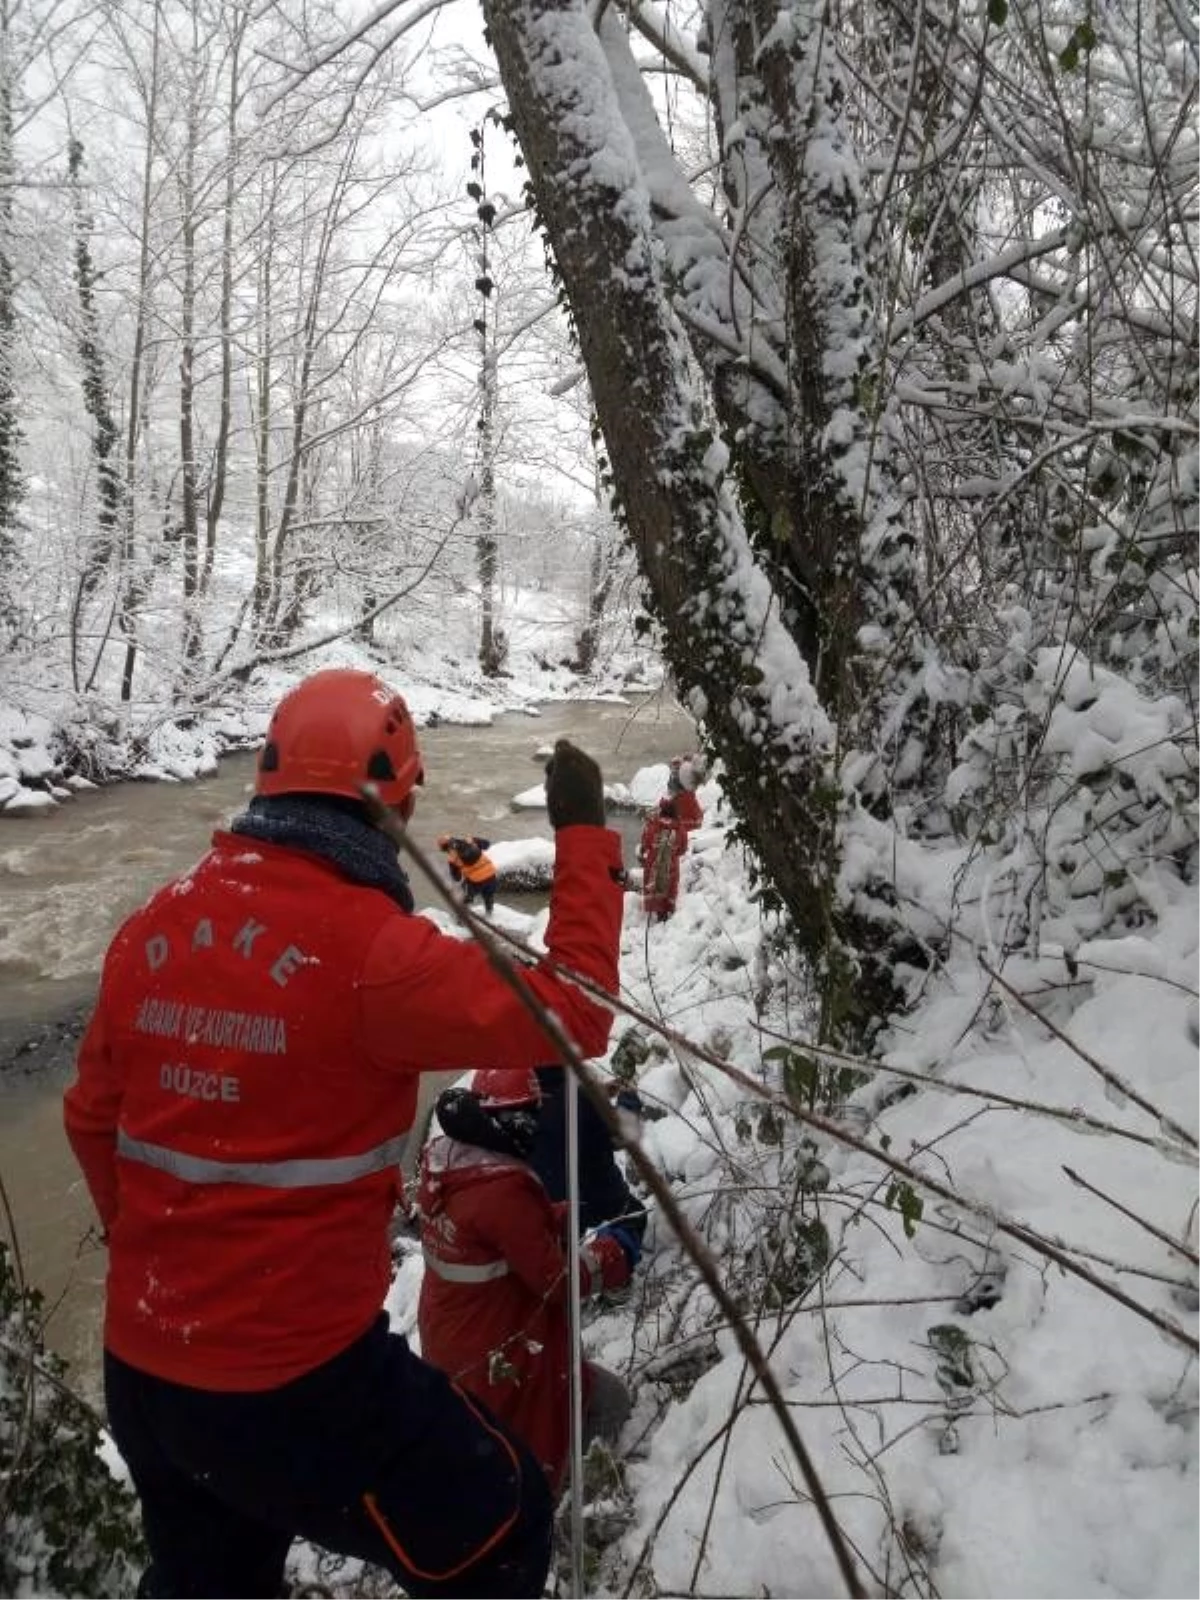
247, 1079
464, 1271
503, 1337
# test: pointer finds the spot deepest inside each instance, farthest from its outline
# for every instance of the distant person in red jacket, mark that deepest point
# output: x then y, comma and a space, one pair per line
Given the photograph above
493, 1306
244, 1090
664, 839
472, 867
684, 775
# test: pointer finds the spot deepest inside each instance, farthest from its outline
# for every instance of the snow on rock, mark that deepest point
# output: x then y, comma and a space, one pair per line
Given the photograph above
617, 797
175, 754
649, 783
520, 923
530, 799
28, 766
24, 802
523, 863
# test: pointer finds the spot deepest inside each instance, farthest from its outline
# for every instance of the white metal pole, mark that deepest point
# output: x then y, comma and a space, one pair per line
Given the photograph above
571, 1090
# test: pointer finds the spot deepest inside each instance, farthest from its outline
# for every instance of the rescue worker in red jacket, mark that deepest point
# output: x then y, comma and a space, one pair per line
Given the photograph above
493, 1305
471, 866
244, 1089
683, 774
664, 840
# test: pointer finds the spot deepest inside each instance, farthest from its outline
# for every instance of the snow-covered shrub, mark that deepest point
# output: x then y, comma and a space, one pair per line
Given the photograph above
988, 1360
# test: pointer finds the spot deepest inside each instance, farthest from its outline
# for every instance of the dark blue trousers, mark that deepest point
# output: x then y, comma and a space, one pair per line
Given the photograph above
375, 1454
604, 1196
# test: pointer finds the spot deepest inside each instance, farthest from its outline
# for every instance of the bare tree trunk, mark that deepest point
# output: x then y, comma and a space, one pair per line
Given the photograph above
12, 488
133, 591
261, 402
600, 583
281, 605
190, 500
220, 463
102, 548
600, 580
491, 639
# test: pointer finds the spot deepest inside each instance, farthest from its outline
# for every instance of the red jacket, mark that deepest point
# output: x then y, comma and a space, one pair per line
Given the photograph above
493, 1306
663, 841
688, 809
248, 1076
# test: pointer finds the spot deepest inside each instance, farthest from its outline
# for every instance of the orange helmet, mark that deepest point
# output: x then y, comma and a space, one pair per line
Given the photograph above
506, 1088
337, 730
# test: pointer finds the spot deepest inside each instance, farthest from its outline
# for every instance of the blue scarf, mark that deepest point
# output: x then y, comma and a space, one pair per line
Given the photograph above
344, 837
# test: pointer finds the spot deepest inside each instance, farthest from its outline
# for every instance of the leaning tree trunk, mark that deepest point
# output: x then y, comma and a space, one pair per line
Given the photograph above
744, 652
738, 666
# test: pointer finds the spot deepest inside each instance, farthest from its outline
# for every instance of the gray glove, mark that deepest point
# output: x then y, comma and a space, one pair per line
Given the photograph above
574, 787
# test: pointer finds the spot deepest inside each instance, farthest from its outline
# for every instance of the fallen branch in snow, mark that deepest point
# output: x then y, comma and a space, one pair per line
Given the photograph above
1172, 1244
1073, 1116
506, 969
1113, 1079
1079, 1250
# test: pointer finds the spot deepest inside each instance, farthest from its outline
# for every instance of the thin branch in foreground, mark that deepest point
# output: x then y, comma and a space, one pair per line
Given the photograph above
1113, 1079
1070, 1116
1172, 1244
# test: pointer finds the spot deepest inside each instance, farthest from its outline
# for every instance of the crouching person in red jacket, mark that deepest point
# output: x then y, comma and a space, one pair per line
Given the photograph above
244, 1090
493, 1306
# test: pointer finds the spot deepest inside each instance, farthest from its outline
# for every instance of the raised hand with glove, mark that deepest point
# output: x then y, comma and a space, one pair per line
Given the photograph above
608, 1256
574, 788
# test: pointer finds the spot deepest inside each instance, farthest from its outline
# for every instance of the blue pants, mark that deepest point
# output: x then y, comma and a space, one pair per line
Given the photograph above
485, 891
375, 1454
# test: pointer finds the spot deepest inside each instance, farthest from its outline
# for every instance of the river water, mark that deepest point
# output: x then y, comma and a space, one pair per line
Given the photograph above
67, 878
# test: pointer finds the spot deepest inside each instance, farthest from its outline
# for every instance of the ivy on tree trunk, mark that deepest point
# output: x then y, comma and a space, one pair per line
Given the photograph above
742, 647
102, 550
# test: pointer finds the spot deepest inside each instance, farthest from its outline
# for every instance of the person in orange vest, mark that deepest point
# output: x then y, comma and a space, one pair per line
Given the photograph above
664, 840
471, 866
493, 1305
243, 1094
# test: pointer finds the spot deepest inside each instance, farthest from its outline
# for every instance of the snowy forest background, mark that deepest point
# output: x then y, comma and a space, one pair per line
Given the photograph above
841, 356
